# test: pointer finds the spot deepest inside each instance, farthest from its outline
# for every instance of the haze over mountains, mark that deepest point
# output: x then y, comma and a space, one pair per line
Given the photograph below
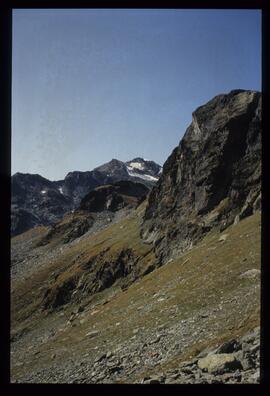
147, 276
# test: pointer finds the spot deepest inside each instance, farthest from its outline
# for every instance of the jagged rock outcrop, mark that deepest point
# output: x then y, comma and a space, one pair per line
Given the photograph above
22, 220
36, 201
98, 273
114, 197
212, 178
98, 206
39, 201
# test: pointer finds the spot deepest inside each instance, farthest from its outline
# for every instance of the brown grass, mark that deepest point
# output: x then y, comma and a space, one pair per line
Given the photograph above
203, 279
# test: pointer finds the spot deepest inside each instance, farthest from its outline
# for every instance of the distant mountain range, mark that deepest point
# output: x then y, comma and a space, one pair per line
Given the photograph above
39, 201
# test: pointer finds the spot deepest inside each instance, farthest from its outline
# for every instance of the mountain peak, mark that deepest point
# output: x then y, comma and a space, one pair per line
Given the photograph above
49, 200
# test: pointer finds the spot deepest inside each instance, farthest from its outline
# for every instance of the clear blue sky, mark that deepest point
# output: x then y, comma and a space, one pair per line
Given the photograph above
92, 85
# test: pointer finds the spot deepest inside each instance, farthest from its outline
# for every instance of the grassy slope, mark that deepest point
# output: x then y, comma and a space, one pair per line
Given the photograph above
27, 292
206, 279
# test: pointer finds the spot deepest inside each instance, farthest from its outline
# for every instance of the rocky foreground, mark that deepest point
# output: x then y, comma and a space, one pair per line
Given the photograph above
235, 361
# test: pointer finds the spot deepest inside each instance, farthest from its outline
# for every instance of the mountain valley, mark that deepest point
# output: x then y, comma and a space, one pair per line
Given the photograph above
133, 273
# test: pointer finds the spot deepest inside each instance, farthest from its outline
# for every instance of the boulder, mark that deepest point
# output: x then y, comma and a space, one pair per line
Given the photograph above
251, 274
92, 333
219, 363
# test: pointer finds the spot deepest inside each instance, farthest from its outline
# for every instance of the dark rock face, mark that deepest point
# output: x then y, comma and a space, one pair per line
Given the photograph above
35, 201
77, 184
212, 178
99, 273
68, 229
114, 197
104, 200
38, 201
112, 270
22, 220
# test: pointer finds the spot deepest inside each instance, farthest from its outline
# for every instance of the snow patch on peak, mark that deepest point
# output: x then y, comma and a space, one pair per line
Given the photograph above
136, 165
43, 191
61, 190
141, 176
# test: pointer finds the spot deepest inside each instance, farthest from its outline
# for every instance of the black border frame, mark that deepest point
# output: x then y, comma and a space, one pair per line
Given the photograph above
5, 164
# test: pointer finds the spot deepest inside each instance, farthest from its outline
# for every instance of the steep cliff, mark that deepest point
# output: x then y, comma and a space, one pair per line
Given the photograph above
212, 178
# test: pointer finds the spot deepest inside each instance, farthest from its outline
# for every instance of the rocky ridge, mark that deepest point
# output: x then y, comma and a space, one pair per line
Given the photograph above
212, 179
98, 208
39, 201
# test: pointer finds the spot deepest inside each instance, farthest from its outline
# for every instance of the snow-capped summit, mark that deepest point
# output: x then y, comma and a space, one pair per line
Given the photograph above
144, 169
36, 200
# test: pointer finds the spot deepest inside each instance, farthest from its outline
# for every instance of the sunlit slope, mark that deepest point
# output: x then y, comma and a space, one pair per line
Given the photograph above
77, 261
200, 299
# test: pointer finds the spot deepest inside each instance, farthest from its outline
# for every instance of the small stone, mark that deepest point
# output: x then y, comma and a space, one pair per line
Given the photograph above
254, 349
170, 380
186, 370
109, 354
157, 339
154, 380
229, 347
223, 238
255, 378
115, 369
92, 333
53, 356
248, 363
236, 220
101, 377
237, 376
113, 363
216, 381
100, 357
188, 363
250, 274
145, 379
204, 315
